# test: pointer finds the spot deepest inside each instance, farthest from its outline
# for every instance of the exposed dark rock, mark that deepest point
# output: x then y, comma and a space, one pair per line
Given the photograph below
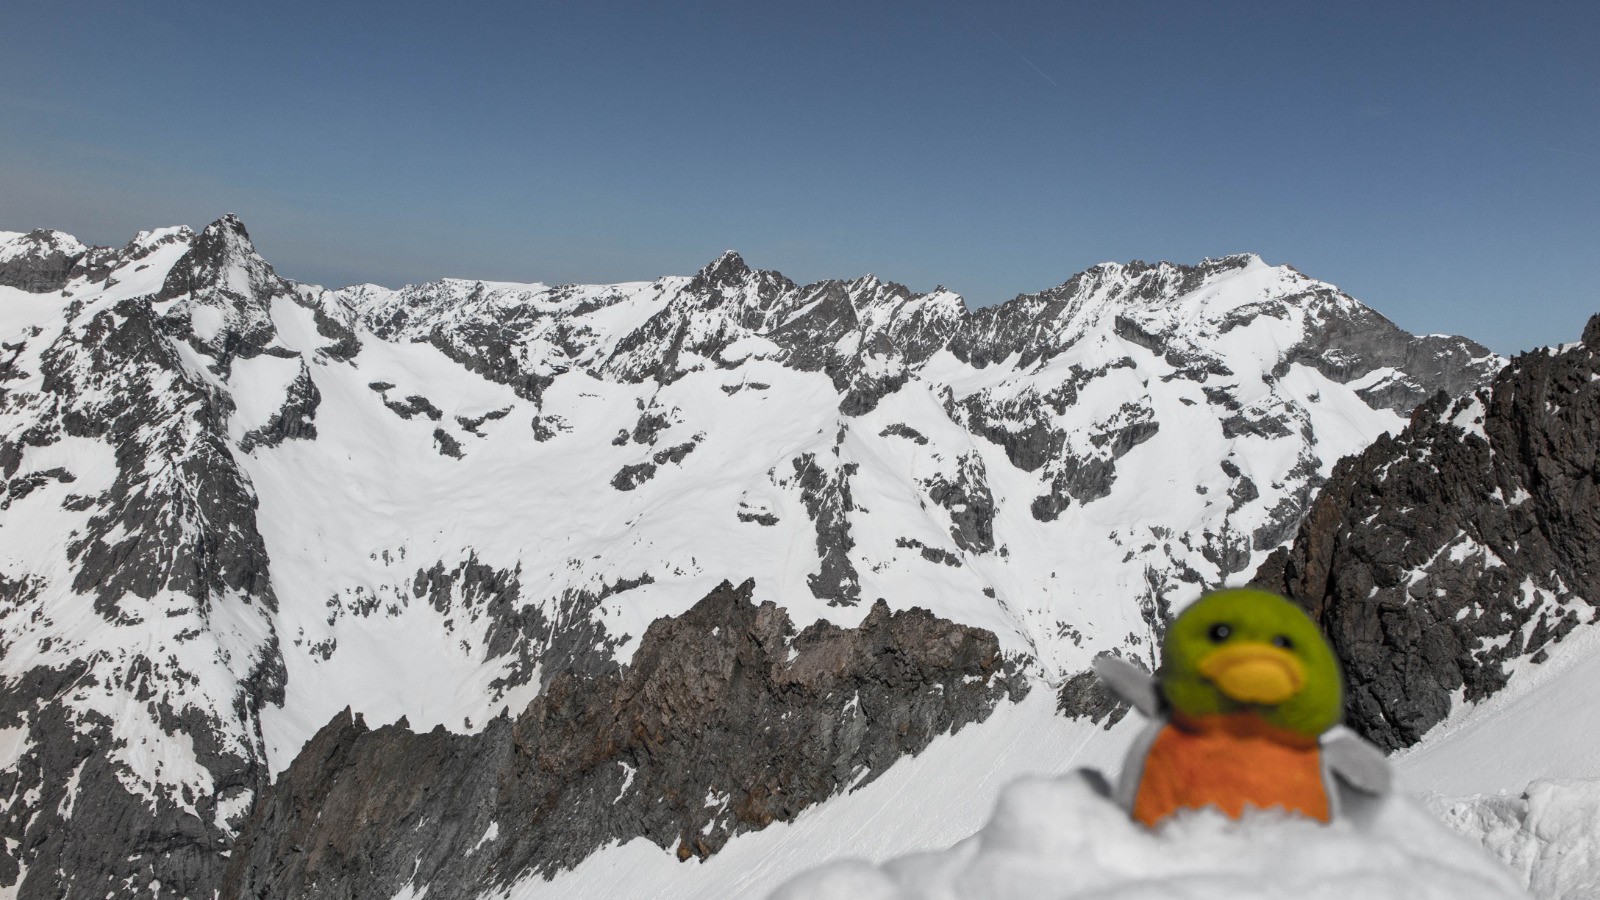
471, 425
712, 731
905, 431
1084, 696
826, 496
1435, 558
134, 377
966, 497
1020, 427
865, 391
633, 475
530, 635
1218, 396
43, 264
931, 554
23, 485
492, 353
295, 419
221, 277
1243, 424
345, 345
651, 423
674, 454
1088, 478
413, 406
547, 427
1228, 550
812, 336
1243, 490
1352, 341
446, 444
759, 515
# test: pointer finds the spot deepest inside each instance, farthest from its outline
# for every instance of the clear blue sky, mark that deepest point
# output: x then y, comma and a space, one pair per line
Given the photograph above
1439, 161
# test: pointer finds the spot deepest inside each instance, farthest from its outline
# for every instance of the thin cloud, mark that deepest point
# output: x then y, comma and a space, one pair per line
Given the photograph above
1007, 44
1568, 152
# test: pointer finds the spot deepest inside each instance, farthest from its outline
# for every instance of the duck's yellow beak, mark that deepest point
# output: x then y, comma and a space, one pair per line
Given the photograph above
1255, 673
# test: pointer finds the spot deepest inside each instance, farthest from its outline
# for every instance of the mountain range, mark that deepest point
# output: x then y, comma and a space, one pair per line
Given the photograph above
310, 592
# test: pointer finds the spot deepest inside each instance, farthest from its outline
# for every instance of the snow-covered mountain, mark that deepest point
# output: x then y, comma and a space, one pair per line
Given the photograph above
238, 511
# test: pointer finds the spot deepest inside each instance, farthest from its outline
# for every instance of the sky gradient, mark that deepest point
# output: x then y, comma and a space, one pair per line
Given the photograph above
1440, 162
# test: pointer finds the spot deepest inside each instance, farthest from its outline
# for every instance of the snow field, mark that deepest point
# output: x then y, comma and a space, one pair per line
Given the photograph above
1549, 835
1058, 839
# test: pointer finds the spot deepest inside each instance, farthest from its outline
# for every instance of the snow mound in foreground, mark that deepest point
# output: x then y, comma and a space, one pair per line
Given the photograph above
1550, 834
1059, 838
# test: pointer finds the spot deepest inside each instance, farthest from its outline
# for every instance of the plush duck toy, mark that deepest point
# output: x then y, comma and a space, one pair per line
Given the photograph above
1245, 713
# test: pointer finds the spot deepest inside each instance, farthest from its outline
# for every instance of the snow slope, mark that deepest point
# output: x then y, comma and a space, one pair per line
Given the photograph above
1058, 838
1542, 726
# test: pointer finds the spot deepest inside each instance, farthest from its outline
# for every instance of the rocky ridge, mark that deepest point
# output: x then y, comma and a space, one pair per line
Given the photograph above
1442, 559
727, 720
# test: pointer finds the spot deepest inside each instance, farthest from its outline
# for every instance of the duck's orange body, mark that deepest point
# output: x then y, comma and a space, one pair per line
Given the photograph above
1230, 762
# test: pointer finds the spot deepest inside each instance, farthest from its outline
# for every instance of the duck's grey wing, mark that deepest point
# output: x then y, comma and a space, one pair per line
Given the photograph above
1356, 762
1130, 683
1138, 689
1127, 788
1357, 775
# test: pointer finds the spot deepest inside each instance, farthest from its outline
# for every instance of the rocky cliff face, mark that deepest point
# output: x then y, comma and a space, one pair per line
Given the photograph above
234, 507
1443, 559
138, 636
726, 721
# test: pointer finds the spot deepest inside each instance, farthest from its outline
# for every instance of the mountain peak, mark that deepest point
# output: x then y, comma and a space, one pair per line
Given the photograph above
1233, 260
228, 286
728, 268
228, 230
38, 261
225, 245
45, 240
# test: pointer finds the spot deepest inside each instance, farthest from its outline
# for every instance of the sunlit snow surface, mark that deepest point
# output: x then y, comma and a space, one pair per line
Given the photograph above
1549, 834
1055, 839
1527, 758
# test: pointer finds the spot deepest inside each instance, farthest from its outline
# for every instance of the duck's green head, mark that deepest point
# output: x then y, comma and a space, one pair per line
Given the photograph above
1248, 650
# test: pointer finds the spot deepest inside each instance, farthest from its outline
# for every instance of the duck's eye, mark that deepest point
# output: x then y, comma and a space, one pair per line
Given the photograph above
1219, 632
1283, 642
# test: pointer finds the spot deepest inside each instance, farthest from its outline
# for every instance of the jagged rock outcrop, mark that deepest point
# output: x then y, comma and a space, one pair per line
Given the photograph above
726, 720
1442, 559
295, 419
